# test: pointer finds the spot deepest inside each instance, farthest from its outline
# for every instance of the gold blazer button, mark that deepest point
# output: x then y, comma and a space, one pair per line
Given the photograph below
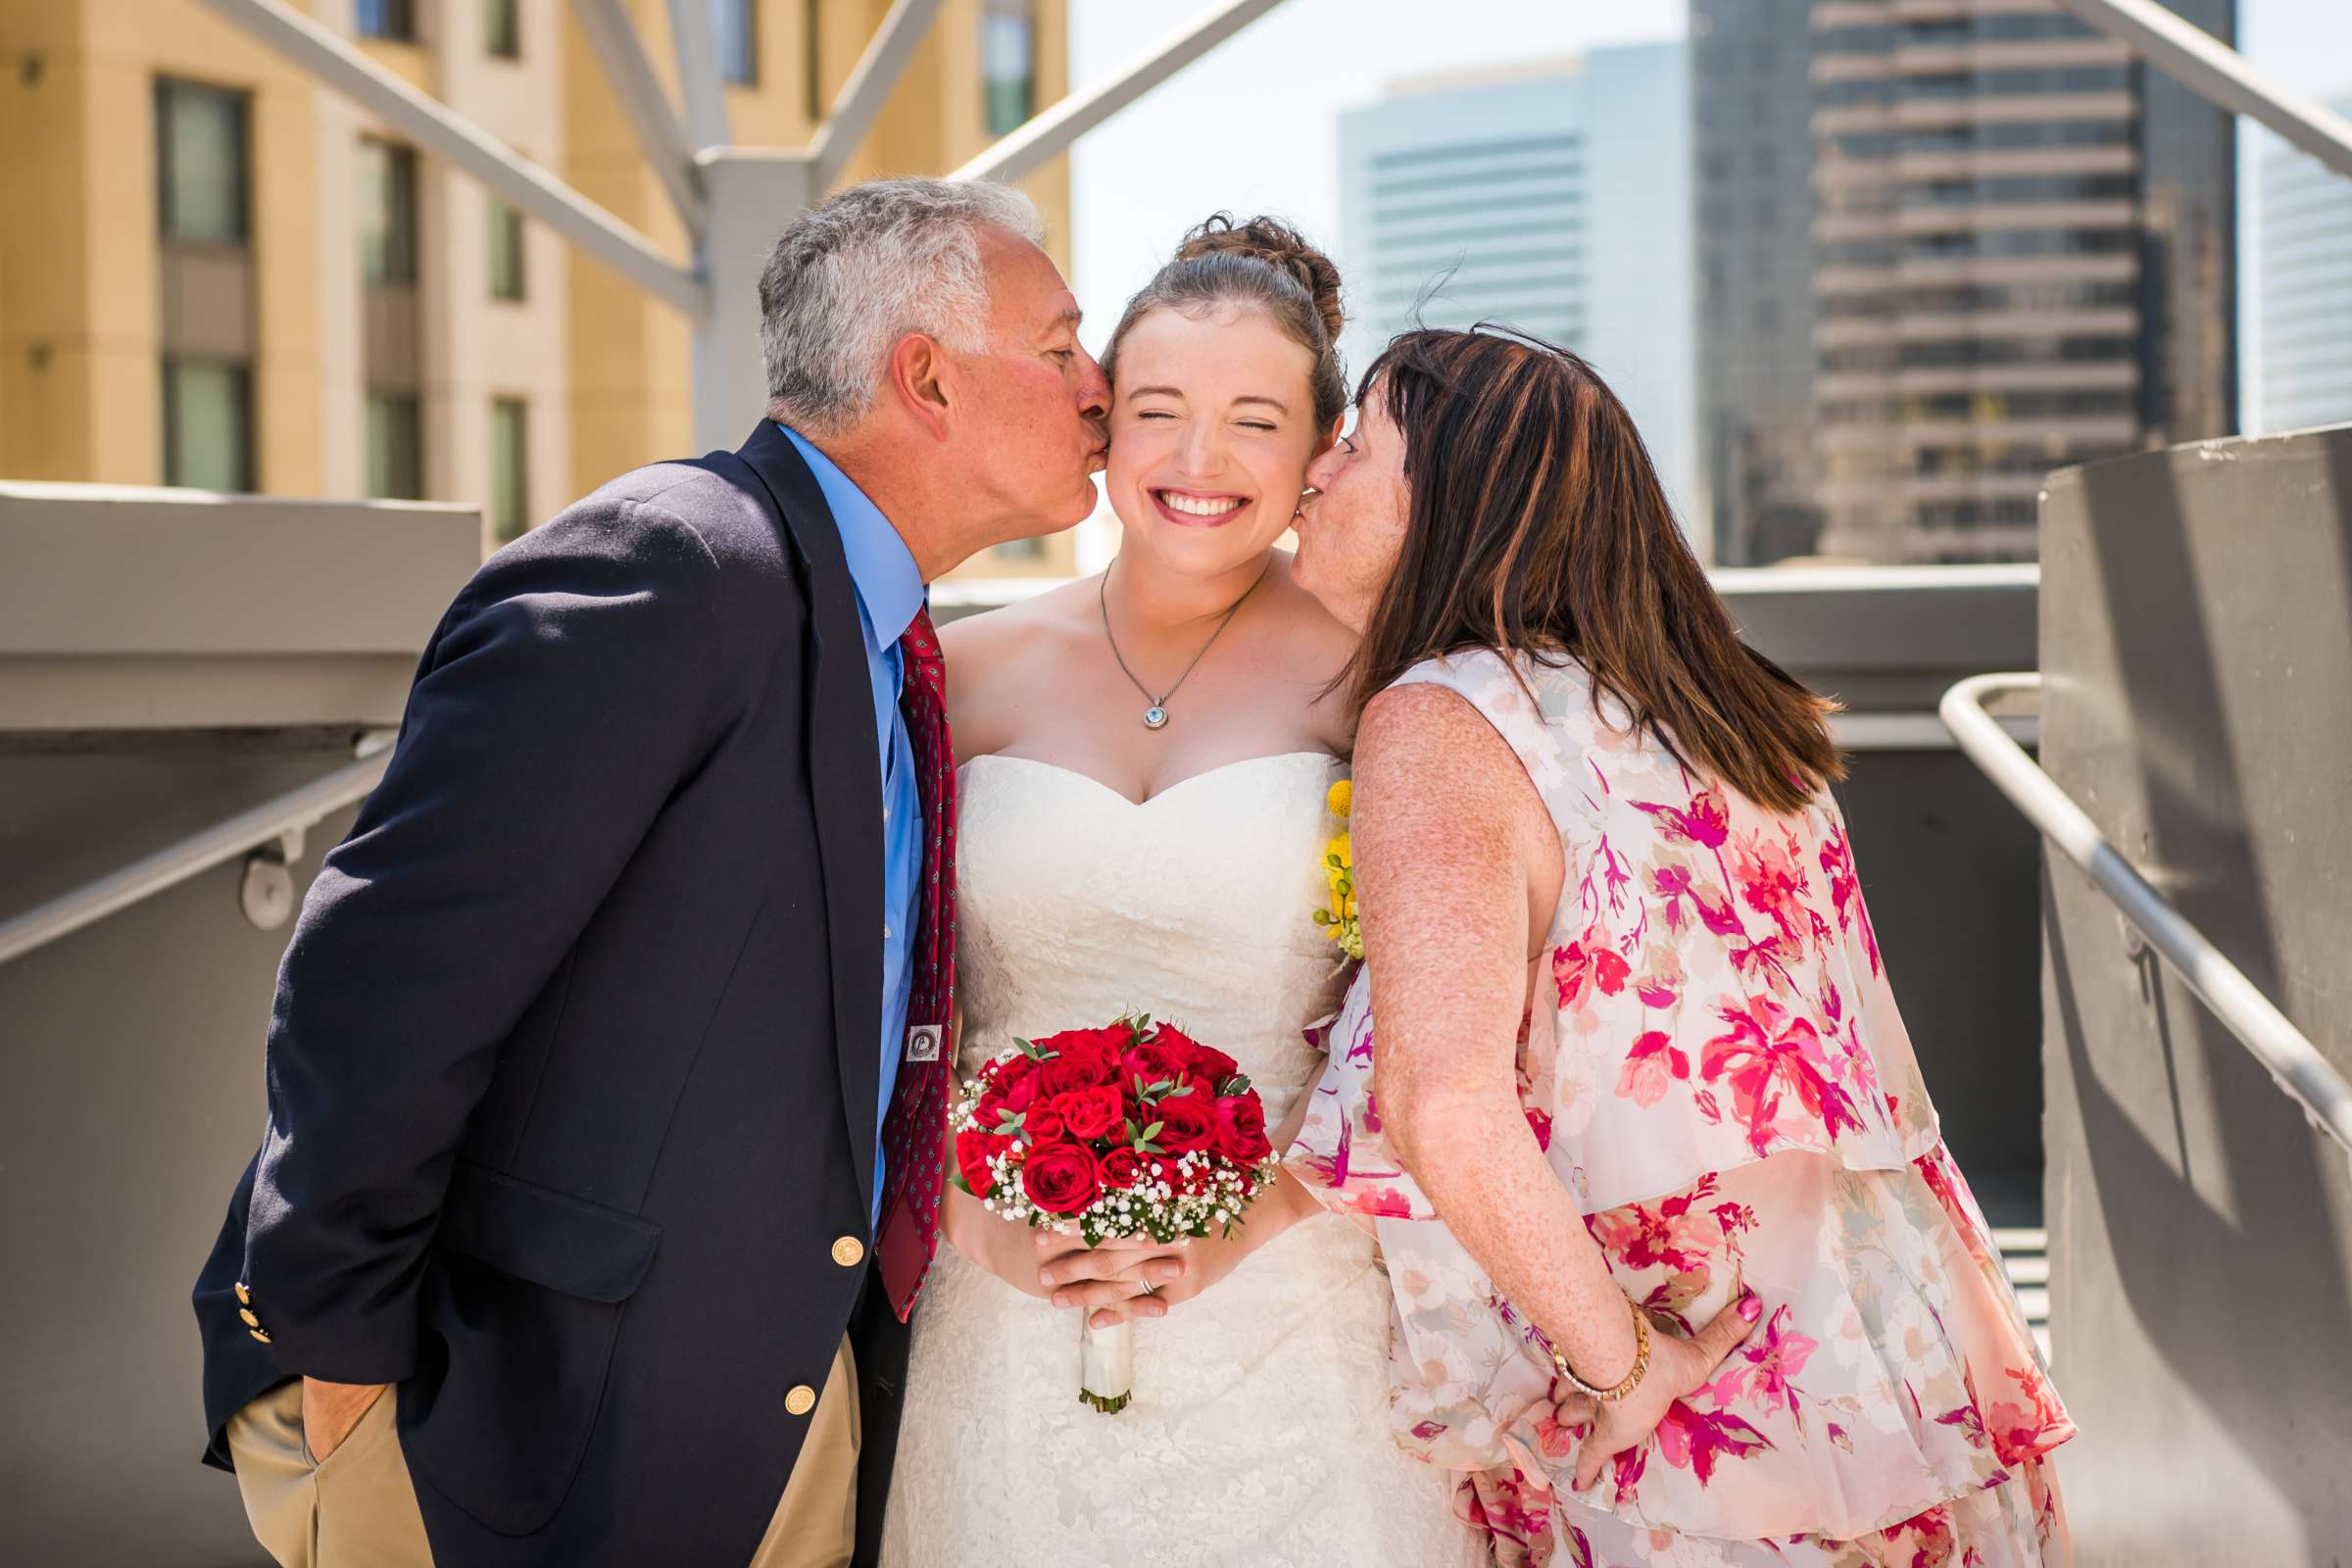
849, 1251
801, 1400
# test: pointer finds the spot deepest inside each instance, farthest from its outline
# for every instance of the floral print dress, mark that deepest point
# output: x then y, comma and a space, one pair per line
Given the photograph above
1715, 1065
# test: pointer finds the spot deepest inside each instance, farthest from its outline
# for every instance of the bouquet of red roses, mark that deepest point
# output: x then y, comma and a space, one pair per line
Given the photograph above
1131, 1130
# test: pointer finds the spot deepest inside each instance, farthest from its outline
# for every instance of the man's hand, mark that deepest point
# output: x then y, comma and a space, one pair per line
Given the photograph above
330, 1410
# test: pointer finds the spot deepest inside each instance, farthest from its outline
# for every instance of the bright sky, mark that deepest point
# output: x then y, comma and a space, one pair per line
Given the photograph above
1253, 126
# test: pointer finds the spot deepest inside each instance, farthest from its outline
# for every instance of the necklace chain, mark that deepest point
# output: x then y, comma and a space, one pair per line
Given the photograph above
1156, 716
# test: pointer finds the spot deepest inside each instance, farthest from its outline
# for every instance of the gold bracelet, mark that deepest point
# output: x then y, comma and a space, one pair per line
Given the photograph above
1632, 1378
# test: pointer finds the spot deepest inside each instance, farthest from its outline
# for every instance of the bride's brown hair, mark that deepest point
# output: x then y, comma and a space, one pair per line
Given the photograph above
1266, 264
1537, 525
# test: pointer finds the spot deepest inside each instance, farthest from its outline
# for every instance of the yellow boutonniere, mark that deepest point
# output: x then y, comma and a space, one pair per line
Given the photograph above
1338, 921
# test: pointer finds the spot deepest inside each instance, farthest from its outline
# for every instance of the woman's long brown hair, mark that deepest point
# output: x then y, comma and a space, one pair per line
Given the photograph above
1538, 526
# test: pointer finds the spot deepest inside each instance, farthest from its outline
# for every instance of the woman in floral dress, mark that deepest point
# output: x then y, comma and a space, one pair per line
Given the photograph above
1683, 1273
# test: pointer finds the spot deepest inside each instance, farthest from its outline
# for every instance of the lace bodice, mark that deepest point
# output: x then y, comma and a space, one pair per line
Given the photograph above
1194, 905
1257, 1433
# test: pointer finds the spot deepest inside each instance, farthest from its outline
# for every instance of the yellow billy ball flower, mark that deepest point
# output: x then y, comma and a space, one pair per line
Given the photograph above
1342, 798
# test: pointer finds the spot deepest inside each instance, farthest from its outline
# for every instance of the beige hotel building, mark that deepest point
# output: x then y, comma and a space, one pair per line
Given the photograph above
215, 272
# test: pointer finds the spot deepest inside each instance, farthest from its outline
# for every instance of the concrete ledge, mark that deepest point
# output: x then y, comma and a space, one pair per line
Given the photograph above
149, 609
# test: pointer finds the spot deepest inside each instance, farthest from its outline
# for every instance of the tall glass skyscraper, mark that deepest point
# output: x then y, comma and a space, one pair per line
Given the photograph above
2025, 258
1752, 190
2306, 305
1552, 198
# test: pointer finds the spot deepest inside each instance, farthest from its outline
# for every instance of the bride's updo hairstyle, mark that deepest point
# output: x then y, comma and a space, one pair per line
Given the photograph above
1265, 264
1537, 525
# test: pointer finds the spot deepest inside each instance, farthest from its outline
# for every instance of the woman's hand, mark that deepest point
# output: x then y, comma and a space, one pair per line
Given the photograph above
1181, 1272
1678, 1368
1006, 1248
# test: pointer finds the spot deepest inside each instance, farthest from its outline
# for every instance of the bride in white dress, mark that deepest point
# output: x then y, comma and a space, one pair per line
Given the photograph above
1141, 820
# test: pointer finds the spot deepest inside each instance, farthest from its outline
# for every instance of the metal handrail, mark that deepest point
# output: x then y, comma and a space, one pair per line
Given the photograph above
291, 812
2294, 1064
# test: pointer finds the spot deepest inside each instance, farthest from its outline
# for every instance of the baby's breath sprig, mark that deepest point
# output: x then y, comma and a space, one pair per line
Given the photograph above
1338, 921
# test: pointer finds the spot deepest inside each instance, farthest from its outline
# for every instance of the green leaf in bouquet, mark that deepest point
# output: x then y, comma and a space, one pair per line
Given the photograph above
1174, 1090
1237, 1084
1153, 1130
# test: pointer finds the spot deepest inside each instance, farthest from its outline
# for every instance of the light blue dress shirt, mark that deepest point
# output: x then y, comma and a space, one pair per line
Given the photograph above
889, 590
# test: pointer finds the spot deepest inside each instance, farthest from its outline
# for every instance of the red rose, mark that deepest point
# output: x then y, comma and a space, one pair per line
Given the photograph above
1090, 1112
1155, 1061
1122, 1167
1188, 1123
988, 1112
973, 1150
1043, 1123
1023, 1092
1201, 1084
1214, 1063
1242, 1129
1060, 1178
1110, 1041
1167, 1034
1081, 1067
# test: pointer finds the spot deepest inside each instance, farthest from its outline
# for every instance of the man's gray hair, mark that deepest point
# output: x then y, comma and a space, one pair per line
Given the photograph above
862, 268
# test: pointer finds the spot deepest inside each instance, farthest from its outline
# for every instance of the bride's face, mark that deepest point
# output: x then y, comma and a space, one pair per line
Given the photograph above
1212, 425
1353, 527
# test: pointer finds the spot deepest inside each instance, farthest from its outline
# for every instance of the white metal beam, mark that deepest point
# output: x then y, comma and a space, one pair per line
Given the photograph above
660, 134
870, 85
1050, 133
754, 193
699, 83
2220, 74
457, 141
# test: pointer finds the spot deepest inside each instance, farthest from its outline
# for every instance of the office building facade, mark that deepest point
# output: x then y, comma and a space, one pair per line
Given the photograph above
2025, 258
1552, 198
2306, 305
1752, 221
216, 272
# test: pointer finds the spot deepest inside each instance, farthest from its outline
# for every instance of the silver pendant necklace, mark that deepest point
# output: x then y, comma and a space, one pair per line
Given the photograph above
1155, 716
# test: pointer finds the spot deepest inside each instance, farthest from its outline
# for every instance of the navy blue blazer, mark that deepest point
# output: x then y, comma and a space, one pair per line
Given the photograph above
571, 1070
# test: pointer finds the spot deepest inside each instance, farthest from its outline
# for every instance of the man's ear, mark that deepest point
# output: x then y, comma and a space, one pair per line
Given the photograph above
920, 374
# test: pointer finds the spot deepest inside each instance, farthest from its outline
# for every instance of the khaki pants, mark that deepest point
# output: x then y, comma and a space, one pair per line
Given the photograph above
358, 1510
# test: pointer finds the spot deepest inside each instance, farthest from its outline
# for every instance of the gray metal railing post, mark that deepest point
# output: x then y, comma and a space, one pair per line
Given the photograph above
2294, 1062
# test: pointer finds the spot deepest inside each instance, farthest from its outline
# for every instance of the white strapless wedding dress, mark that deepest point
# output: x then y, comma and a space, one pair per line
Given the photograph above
1258, 1436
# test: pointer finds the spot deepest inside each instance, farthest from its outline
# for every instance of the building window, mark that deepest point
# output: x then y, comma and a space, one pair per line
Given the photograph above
813, 60
510, 469
1007, 64
208, 425
387, 201
734, 26
200, 163
395, 447
506, 251
395, 20
501, 29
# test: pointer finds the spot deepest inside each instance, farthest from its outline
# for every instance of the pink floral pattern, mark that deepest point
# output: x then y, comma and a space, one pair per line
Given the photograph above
1715, 1065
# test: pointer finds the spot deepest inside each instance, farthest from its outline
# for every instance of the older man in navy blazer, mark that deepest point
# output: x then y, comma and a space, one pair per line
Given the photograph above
559, 1246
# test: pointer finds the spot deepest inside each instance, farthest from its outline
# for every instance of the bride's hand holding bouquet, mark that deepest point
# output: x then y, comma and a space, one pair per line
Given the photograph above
1134, 1152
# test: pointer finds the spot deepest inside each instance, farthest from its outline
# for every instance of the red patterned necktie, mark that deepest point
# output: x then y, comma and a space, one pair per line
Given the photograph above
914, 1134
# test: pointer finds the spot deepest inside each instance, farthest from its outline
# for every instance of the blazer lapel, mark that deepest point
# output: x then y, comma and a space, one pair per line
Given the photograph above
843, 771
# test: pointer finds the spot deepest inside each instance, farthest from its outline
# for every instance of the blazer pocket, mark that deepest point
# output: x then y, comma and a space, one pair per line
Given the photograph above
524, 1305
549, 1238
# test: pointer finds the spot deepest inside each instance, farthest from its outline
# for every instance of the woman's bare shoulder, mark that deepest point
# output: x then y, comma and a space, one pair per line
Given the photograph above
998, 654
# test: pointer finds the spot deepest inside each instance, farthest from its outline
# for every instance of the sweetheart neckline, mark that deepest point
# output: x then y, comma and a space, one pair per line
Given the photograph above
1148, 801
